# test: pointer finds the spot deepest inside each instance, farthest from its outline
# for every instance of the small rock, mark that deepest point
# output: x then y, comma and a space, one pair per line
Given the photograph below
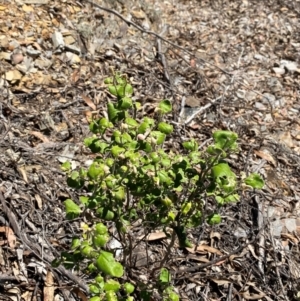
13, 45
69, 40
260, 106
58, 40
72, 58
138, 14
259, 57
279, 70
289, 65
73, 48
17, 58
250, 95
42, 63
33, 52
269, 98
109, 53
13, 75
5, 55
4, 42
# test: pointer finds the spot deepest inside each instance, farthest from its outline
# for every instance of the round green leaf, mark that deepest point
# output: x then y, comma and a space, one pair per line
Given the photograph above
165, 128
112, 285
214, 219
225, 139
165, 106
105, 214
75, 243
255, 181
100, 240
129, 288
94, 289
111, 296
125, 103
101, 229
72, 209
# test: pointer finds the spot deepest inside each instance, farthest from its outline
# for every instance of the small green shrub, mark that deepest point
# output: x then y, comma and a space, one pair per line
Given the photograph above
133, 176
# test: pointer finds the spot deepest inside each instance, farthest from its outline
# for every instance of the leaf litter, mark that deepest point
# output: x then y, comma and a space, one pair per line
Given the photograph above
236, 67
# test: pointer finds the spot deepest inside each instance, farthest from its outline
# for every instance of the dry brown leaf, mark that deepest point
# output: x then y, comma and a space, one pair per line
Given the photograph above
14, 293
220, 281
11, 238
49, 287
249, 296
13, 75
39, 201
79, 293
156, 236
75, 76
205, 249
89, 102
27, 8
264, 154
40, 136
290, 237
22, 171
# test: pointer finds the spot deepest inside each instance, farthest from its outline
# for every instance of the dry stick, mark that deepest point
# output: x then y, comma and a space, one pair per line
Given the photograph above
205, 265
260, 221
36, 249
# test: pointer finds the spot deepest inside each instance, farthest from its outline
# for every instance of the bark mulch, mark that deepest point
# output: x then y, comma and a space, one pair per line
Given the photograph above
224, 65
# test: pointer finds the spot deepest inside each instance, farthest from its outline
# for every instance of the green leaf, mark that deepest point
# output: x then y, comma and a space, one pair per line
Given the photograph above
105, 213
125, 103
131, 122
100, 240
112, 285
104, 122
165, 128
214, 219
186, 207
72, 209
107, 264
109, 80
95, 170
224, 177
164, 177
112, 112
66, 166
111, 296
101, 229
95, 145
145, 125
165, 106
74, 180
173, 297
128, 288
75, 243
124, 90
164, 276
225, 139
95, 298
191, 145
255, 181
119, 195
94, 289
113, 89
117, 150
159, 136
